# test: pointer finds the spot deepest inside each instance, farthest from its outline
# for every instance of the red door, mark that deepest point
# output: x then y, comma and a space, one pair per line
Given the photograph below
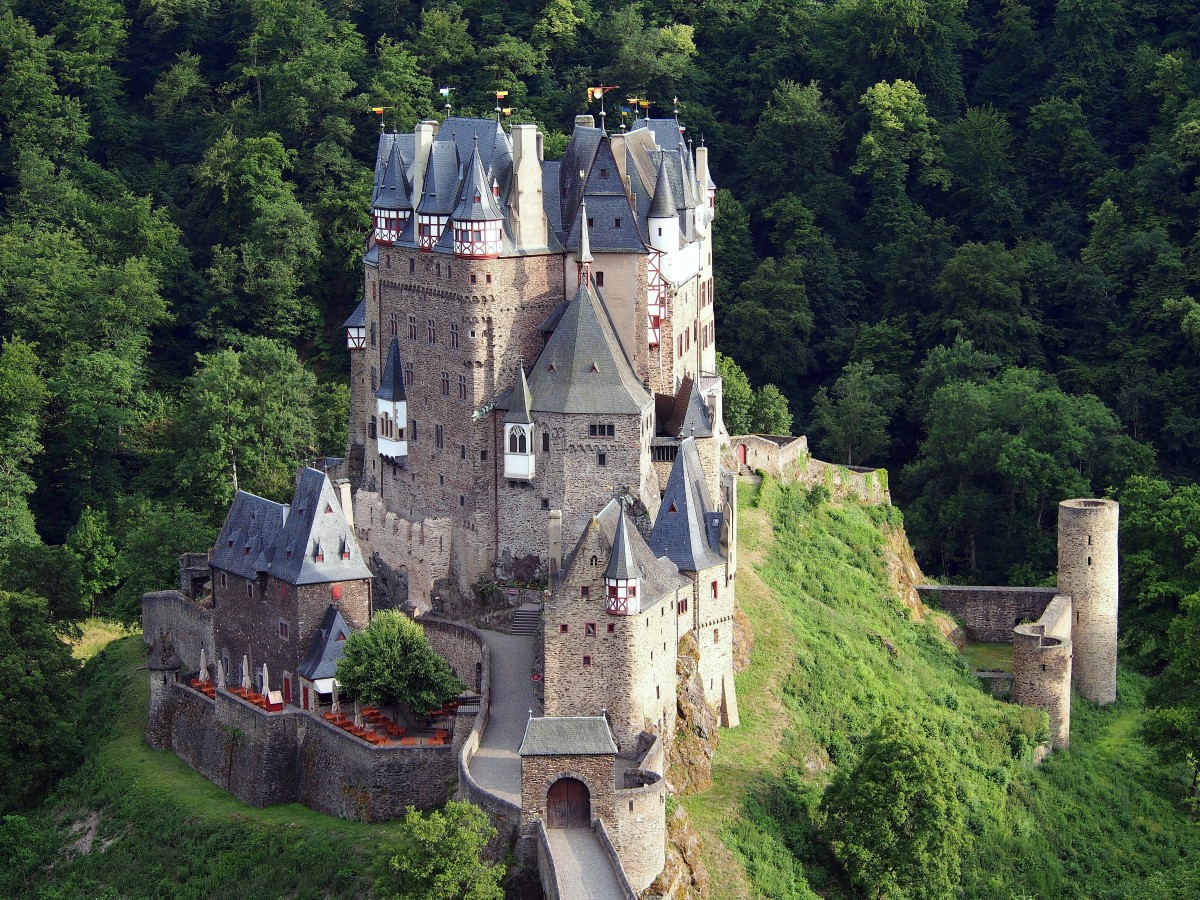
304, 695
741, 453
287, 690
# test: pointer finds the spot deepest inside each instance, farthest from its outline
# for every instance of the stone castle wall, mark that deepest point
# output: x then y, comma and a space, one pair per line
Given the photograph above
421, 550
190, 626
1042, 667
988, 613
461, 646
1088, 572
268, 758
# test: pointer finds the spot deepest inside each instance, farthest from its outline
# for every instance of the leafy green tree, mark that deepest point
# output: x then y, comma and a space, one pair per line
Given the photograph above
22, 397
391, 662
156, 533
737, 403
770, 412
91, 542
986, 194
51, 571
894, 820
249, 422
1160, 565
439, 856
1173, 726
852, 419
37, 692
774, 301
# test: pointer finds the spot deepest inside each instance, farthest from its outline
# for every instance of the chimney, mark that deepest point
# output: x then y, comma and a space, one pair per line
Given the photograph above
424, 133
586, 121
702, 171
346, 501
617, 143
527, 215
554, 526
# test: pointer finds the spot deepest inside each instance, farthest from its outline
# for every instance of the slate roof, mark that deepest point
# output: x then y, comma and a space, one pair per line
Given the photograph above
659, 576
685, 414
261, 536
358, 318
620, 560
583, 368
391, 386
327, 647
392, 190
688, 529
520, 403
476, 202
568, 736
441, 178
583, 253
663, 205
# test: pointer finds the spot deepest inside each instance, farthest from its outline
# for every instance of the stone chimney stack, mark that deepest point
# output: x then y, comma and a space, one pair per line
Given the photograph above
346, 501
527, 214
424, 132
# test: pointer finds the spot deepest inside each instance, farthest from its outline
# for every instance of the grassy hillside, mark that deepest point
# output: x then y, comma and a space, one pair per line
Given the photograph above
834, 651
134, 822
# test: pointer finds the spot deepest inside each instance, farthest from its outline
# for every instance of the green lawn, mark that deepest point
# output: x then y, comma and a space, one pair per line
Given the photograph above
995, 657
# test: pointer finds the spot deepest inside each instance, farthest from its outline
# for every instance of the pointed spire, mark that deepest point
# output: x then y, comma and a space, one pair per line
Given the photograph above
621, 563
477, 202
391, 386
393, 186
584, 257
662, 206
522, 406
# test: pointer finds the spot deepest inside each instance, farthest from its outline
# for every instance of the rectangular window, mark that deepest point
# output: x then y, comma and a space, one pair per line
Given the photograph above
431, 331
462, 387
545, 503
413, 437
602, 459
599, 279
589, 629
408, 374
612, 629
601, 429
488, 277
394, 324
584, 591
283, 630
714, 590
562, 629
474, 278
483, 456
587, 662
616, 223
439, 434
250, 592
454, 333
462, 451
412, 265
545, 442
412, 328
445, 384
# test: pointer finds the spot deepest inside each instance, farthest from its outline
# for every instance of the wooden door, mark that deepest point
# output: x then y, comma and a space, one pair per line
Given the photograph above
304, 695
568, 804
741, 453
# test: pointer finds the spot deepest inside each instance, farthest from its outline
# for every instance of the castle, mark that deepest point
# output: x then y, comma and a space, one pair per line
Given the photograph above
534, 396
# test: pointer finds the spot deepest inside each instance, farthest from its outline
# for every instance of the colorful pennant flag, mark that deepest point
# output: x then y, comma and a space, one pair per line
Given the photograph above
445, 92
500, 95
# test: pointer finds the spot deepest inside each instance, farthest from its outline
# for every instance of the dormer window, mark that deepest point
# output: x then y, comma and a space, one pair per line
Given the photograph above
318, 552
604, 173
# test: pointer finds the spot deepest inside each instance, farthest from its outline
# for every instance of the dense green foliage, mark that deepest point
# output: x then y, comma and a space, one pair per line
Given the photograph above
136, 822
437, 857
391, 661
893, 820
1101, 821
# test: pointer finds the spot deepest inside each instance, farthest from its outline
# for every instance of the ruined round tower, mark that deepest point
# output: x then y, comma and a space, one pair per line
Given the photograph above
1087, 571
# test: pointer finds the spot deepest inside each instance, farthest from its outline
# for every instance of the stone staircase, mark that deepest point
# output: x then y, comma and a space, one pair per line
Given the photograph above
527, 619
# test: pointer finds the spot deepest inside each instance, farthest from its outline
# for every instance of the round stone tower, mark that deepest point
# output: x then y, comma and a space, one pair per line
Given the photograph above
1087, 570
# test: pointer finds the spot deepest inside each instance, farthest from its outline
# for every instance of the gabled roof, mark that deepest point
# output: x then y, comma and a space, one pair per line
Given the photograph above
327, 647
605, 234
684, 415
358, 318
475, 201
252, 528
568, 736
315, 527
441, 178
391, 386
521, 402
583, 368
392, 190
687, 530
620, 561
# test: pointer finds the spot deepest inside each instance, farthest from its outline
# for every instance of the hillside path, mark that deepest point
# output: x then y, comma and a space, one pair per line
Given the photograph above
496, 765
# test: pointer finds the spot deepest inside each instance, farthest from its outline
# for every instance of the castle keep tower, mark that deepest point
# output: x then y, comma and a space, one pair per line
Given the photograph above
1087, 571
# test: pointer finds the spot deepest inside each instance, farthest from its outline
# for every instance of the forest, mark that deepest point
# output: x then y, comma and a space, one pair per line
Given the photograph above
968, 227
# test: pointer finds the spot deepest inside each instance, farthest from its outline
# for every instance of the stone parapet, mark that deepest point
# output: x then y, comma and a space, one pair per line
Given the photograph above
988, 613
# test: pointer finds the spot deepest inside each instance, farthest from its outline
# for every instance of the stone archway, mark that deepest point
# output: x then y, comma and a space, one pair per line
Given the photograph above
568, 804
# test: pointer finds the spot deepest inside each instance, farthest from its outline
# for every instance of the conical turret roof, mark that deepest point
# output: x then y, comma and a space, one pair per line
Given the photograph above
475, 200
663, 205
392, 192
522, 402
621, 563
391, 386
585, 242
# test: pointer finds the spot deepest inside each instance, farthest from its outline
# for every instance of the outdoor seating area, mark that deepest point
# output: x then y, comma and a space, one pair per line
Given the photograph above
377, 727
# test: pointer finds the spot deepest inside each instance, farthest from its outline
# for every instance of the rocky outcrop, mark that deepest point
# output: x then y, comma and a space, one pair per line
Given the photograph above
684, 876
905, 574
697, 729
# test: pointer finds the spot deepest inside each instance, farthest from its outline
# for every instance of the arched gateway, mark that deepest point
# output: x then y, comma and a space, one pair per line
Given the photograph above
568, 804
